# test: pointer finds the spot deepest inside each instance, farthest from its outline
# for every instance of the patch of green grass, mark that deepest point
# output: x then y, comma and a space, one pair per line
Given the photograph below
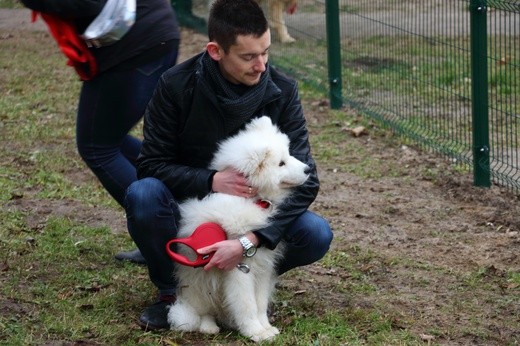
329, 329
514, 279
63, 284
10, 4
347, 8
297, 59
313, 323
335, 145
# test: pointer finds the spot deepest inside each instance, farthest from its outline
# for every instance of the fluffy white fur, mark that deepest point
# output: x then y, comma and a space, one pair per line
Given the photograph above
235, 299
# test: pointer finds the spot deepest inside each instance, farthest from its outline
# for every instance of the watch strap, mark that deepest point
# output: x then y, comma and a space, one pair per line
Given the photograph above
246, 244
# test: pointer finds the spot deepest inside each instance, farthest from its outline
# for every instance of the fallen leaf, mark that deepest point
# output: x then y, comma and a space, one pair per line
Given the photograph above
426, 337
358, 131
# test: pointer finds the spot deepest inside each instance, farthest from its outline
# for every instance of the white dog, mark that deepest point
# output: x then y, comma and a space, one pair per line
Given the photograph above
233, 298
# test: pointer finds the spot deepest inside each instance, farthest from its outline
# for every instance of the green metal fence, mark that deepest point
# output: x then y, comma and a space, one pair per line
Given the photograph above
444, 73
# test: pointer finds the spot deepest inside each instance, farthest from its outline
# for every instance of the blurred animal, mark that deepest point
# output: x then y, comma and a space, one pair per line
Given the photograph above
237, 299
276, 9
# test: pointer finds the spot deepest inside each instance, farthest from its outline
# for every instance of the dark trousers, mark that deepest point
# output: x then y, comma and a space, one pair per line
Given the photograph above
110, 105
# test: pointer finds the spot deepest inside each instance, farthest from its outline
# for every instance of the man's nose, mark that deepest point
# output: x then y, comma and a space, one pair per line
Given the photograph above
260, 63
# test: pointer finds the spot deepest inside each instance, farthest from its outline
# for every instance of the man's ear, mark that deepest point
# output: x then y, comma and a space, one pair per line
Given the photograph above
214, 51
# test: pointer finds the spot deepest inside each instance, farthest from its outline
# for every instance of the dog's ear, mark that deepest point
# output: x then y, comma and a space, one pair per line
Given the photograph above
263, 124
257, 161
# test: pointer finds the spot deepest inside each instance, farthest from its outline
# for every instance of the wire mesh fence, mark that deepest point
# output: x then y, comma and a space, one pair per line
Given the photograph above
504, 90
444, 73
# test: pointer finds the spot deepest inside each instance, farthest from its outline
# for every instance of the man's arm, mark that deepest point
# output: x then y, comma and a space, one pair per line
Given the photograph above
293, 124
159, 157
66, 8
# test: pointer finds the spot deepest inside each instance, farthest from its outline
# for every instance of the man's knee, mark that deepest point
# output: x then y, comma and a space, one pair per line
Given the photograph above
99, 158
145, 188
313, 233
322, 238
316, 229
142, 197
308, 241
87, 153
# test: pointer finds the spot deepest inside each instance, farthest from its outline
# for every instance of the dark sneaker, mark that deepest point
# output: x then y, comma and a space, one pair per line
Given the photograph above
155, 316
133, 256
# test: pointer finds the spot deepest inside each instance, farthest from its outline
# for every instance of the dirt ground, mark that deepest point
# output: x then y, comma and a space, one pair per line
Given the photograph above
428, 238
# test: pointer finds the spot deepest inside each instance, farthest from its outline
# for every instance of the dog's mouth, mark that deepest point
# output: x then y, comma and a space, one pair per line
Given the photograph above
288, 185
291, 184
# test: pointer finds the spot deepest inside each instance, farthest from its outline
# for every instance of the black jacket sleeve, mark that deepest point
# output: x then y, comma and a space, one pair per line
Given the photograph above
66, 8
292, 123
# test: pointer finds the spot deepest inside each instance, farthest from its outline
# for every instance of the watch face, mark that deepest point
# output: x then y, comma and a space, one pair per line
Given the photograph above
251, 251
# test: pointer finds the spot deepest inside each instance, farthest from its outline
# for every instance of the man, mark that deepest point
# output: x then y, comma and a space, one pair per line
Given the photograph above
196, 105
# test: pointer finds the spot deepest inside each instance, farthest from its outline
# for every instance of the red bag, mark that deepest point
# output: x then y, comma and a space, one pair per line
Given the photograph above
71, 44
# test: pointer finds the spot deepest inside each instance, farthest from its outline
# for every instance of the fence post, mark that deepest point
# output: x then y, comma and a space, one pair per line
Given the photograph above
186, 17
334, 53
479, 93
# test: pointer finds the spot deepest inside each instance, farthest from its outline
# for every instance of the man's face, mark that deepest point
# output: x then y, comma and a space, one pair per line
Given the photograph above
245, 61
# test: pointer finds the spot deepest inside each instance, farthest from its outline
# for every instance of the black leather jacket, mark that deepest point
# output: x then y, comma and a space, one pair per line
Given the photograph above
184, 123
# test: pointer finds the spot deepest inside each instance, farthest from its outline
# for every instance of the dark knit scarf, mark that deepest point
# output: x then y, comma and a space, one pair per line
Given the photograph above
238, 108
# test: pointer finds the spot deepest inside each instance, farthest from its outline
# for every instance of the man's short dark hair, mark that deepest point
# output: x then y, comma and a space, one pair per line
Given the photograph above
231, 18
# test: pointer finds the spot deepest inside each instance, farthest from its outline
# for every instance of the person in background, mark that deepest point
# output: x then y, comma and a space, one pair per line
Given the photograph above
197, 104
113, 101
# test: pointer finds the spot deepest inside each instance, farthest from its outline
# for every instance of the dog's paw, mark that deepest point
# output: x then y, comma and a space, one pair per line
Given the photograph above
287, 39
267, 334
274, 330
209, 326
183, 317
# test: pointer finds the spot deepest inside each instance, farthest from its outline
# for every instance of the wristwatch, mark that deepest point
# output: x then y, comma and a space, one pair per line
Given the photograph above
249, 248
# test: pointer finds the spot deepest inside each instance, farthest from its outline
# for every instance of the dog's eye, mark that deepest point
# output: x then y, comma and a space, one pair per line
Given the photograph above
282, 163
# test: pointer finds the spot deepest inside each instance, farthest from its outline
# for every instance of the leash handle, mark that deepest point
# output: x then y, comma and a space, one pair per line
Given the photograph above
204, 235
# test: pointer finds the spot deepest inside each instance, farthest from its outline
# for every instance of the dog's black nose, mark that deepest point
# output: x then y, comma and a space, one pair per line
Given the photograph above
307, 170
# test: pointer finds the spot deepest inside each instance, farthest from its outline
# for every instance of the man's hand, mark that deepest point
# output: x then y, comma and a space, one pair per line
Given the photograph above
232, 182
228, 254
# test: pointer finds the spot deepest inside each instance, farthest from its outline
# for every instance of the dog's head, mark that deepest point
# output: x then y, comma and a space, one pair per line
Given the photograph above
261, 153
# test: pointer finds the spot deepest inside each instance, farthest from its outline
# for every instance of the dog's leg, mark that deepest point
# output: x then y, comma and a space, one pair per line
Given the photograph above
184, 317
277, 20
264, 291
208, 325
239, 290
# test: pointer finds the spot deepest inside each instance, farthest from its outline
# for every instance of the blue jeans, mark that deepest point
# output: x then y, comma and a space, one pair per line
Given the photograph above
110, 105
152, 215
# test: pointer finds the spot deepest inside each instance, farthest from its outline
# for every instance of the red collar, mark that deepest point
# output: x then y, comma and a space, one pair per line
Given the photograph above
263, 203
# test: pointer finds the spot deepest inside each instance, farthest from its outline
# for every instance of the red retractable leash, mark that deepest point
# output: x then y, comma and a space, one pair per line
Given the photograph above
204, 235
